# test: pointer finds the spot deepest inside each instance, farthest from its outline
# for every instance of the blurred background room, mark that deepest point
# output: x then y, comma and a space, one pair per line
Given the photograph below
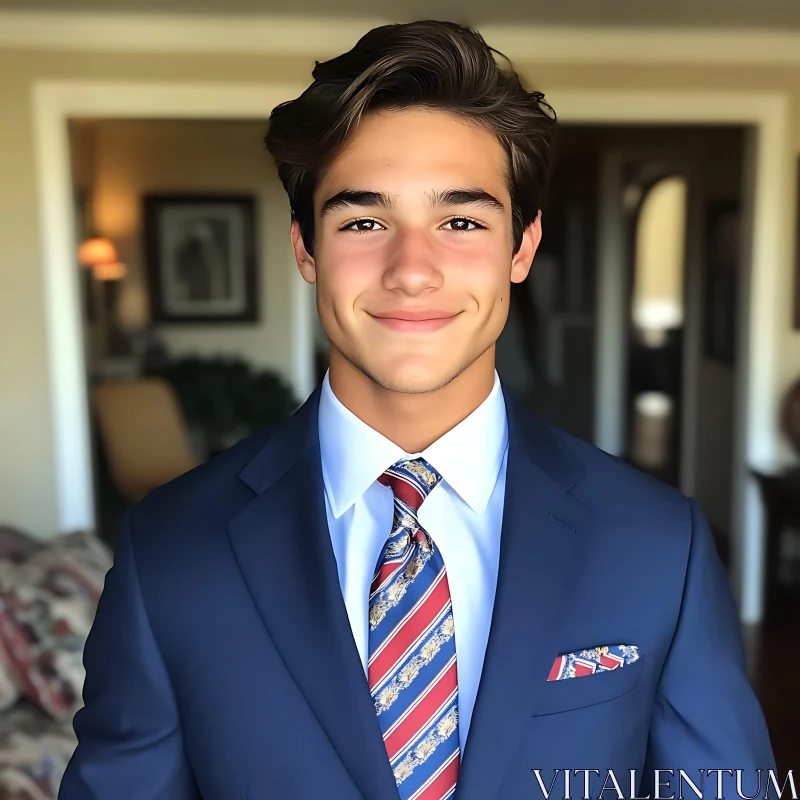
151, 313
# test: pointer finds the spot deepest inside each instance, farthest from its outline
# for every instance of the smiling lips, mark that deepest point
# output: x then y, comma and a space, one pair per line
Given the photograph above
415, 321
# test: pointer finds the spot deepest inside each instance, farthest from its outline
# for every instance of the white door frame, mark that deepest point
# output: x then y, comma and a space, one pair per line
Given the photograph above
55, 102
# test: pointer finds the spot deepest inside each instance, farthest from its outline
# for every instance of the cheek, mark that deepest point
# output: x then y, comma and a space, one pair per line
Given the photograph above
483, 272
352, 261
342, 282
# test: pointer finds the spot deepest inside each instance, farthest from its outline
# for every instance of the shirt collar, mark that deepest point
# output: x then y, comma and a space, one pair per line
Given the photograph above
468, 456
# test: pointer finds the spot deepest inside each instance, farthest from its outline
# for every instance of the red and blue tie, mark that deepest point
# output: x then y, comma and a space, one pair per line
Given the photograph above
412, 647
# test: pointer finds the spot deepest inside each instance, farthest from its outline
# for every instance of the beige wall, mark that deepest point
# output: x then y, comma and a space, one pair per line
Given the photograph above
134, 157
27, 484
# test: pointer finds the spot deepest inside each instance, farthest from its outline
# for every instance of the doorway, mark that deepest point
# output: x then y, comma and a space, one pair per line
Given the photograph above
625, 333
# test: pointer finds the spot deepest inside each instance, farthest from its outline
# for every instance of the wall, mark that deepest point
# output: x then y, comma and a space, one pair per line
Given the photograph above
134, 157
27, 480
658, 281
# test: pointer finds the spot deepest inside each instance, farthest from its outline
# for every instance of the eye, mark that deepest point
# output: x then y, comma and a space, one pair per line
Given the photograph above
461, 224
364, 225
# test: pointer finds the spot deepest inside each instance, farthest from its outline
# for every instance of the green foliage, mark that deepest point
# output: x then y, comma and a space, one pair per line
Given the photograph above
224, 396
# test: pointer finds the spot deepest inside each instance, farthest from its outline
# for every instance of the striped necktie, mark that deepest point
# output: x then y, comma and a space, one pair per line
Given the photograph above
412, 649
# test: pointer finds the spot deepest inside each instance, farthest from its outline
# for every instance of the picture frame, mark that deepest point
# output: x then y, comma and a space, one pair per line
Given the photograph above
201, 255
721, 272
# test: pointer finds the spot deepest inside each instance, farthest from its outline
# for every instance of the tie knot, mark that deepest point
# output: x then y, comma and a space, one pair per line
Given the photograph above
411, 481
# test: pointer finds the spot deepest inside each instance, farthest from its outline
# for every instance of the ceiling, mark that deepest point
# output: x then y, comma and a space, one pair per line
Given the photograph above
739, 14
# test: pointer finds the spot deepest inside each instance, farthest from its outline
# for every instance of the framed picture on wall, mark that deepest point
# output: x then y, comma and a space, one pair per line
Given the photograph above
721, 279
201, 258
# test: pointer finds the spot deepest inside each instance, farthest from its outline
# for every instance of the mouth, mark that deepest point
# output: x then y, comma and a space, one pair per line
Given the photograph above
415, 321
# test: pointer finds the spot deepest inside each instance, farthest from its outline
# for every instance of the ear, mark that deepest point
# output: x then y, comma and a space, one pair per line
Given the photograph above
305, 263
523, 258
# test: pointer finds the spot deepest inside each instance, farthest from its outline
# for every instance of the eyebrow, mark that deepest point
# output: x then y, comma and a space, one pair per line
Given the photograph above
358, 198
361, 198
464, 197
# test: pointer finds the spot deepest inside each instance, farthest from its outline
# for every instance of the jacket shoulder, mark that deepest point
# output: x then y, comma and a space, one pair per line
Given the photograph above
616, 490
210, 493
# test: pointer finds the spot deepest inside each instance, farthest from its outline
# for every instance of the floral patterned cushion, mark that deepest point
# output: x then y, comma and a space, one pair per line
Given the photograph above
9, 682
9, 688
34, 751
15, 547
47, 606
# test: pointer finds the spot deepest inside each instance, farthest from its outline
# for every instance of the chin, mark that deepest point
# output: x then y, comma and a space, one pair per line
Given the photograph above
413, 378
413, 384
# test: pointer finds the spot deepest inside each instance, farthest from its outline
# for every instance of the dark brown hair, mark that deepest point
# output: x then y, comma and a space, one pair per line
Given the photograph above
430, 64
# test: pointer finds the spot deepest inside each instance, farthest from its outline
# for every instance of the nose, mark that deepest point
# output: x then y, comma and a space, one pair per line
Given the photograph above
412, 266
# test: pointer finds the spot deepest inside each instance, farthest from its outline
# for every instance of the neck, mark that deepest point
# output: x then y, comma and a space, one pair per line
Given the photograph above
412, 421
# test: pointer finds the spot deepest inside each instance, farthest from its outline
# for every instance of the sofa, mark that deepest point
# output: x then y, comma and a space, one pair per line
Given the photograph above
48, 598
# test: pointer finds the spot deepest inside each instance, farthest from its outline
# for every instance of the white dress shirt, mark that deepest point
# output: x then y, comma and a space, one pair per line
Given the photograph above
463, 515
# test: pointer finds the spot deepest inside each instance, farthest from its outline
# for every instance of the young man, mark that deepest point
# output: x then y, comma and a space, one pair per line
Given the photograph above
291, 620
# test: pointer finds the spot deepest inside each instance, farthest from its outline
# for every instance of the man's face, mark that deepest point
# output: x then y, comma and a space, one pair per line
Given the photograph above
413, 248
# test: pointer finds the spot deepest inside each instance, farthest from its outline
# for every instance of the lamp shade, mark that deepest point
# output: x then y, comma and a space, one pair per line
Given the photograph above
97, 251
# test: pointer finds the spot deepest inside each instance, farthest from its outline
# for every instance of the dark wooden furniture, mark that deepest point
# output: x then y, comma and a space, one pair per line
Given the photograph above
781, 496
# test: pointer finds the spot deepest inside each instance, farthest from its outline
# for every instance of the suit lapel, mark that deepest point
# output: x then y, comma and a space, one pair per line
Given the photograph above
541, 540
282, 544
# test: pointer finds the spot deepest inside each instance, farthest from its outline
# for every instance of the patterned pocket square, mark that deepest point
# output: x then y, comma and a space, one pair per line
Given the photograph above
596, 659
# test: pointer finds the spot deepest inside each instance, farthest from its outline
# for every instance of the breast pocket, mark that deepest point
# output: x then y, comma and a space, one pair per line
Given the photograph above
587, 690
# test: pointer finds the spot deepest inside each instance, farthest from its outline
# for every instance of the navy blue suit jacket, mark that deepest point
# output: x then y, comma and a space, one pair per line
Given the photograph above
221, 663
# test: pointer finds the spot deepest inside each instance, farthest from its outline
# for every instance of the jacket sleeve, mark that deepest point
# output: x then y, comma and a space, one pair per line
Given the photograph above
706, 719
129, 736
